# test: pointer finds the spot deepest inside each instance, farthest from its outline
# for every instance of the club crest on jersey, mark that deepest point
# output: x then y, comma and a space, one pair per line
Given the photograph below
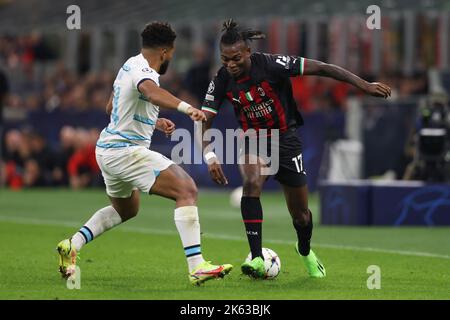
261, 92
211, 87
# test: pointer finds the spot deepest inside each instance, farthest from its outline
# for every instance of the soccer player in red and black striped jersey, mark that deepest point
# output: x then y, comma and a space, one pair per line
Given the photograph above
259, 88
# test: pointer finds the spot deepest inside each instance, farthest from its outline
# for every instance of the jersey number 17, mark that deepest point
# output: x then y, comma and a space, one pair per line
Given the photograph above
298, 160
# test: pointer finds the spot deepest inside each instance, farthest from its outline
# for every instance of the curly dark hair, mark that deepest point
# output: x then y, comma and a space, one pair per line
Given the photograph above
232, 33
158, 34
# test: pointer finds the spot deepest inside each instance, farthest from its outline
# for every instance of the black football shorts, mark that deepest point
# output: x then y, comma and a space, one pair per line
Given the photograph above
291, 171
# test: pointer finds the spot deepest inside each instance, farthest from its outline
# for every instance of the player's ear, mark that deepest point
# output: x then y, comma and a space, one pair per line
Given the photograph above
248, 51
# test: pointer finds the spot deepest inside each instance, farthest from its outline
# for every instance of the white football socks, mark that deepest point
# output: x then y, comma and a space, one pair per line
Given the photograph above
103, 220
186, 220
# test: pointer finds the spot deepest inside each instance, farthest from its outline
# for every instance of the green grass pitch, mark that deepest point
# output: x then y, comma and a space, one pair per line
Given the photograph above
143, 258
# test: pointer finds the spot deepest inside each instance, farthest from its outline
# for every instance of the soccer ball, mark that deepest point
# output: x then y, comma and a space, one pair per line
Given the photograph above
235, 197
272, 262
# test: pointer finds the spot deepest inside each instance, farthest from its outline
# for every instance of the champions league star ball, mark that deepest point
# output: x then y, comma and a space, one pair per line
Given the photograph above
235, 197
272, 262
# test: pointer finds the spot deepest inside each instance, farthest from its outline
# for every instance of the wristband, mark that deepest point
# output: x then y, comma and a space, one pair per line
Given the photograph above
183, 107
209, 156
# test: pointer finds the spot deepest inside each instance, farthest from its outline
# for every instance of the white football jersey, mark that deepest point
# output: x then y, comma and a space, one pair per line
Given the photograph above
133, 117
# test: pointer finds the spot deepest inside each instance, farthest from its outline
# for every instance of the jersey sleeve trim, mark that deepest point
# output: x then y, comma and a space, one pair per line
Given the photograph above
302, 65
142, 80
209, 110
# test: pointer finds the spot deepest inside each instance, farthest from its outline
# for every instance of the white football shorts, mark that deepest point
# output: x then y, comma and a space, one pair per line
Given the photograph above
130, 168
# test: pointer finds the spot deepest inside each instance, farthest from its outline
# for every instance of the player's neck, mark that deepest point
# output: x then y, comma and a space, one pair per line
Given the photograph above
152, 58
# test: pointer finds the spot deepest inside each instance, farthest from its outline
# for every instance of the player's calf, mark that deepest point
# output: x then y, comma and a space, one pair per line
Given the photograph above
127, 208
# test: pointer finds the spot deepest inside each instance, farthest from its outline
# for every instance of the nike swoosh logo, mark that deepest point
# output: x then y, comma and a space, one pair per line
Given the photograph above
200, 272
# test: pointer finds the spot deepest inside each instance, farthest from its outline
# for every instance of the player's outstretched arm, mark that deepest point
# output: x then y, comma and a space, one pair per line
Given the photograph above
319, 68
165, 99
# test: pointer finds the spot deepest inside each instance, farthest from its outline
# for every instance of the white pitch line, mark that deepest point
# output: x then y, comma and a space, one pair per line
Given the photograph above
399, 252
73, 224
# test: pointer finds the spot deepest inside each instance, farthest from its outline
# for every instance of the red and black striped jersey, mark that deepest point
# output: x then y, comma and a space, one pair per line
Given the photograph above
263, 99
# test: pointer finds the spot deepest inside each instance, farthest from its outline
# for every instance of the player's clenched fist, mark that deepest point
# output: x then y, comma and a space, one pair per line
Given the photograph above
196, 114
378, 89
165, 125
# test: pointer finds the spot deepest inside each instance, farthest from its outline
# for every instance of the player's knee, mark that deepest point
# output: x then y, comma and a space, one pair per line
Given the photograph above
188, 191
251, 186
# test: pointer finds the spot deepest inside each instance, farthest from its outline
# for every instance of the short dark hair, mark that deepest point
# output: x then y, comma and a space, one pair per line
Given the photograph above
232, 33
158, 34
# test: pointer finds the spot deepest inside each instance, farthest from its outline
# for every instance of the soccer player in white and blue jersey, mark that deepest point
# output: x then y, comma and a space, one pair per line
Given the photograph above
128, 165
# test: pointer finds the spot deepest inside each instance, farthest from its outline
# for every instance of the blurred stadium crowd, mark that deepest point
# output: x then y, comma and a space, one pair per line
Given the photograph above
30, 159
52, 114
